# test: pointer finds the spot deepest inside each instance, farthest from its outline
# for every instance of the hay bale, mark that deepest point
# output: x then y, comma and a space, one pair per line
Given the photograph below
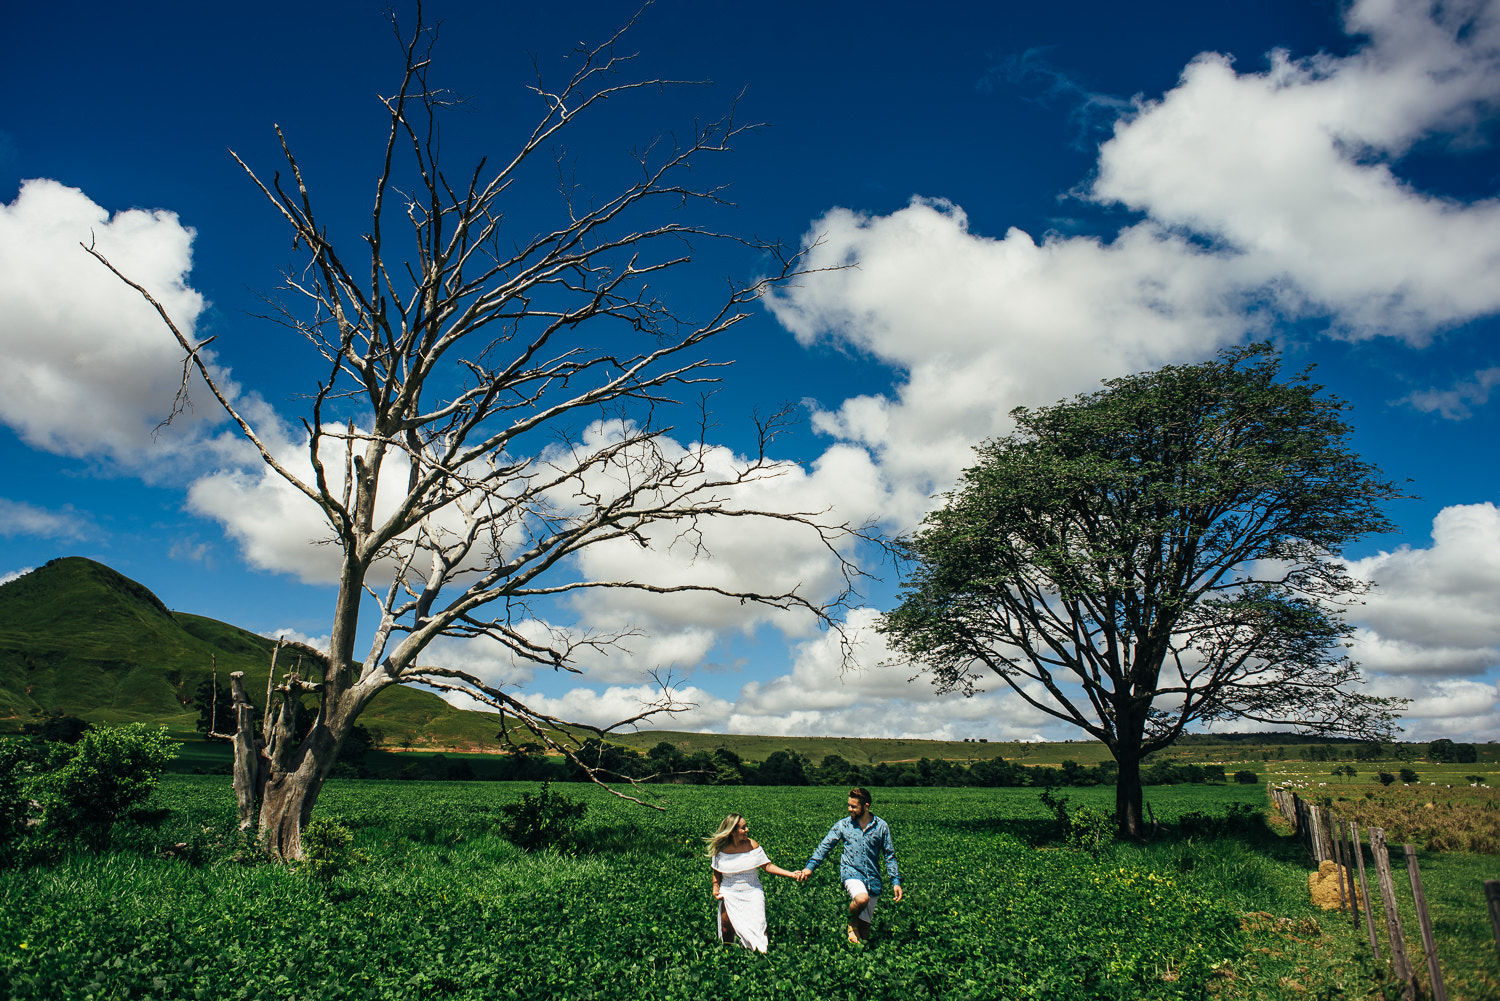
1324, 886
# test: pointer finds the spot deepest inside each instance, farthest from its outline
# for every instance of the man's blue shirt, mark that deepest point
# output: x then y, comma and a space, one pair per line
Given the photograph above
862, 852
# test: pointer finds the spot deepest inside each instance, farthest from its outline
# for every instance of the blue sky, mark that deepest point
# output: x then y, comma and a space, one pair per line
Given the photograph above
1038, 198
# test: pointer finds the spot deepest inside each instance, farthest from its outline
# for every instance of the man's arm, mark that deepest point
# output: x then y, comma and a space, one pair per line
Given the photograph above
890, 864
833, 837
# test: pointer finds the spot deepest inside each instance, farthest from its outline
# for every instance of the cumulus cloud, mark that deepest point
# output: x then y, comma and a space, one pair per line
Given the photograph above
1264, 196
827, 694
1291, 170
1460, 708
1433, 610
981, 325
622, 702
89, 370
18, 518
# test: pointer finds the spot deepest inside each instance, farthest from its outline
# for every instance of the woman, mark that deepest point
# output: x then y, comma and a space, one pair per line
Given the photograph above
737, 861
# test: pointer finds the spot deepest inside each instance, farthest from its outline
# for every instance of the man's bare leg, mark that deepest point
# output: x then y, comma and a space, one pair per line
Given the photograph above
858, 930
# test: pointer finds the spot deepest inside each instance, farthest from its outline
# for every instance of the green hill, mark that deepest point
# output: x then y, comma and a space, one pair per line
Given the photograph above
79, 638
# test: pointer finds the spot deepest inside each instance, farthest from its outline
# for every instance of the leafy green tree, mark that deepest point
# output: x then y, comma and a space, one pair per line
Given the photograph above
54, 727
666, 758
1409, 775
1445, 751
833, 770
215, 711
784, 768
1159, 553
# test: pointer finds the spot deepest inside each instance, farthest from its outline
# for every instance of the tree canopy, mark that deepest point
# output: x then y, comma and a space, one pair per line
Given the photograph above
1159, 553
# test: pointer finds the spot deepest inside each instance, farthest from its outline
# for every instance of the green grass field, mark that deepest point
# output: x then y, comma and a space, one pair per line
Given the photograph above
442, 907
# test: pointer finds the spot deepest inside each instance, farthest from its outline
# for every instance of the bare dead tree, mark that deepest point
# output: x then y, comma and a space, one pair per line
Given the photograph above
442, 444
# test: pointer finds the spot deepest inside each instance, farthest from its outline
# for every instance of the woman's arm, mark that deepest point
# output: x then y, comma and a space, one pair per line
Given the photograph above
776, 870
718, 893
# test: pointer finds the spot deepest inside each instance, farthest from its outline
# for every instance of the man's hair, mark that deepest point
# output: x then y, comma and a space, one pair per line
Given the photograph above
860, 793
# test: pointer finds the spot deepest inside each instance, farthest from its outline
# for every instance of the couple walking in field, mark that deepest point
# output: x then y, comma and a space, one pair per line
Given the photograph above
737, 860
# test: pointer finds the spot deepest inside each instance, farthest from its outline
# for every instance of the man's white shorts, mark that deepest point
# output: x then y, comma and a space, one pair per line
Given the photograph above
855, 887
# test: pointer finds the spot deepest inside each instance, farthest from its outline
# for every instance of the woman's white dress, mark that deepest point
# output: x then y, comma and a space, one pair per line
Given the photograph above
744, 899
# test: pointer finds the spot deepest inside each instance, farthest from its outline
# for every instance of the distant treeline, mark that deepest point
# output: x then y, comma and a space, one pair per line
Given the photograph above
665, 763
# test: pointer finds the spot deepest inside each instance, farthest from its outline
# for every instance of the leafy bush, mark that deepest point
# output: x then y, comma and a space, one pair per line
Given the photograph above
84, 789
1090, 829
1245, 777
327, 849
19, 761
1408, 775
1238, 818
1386, 778
547, 819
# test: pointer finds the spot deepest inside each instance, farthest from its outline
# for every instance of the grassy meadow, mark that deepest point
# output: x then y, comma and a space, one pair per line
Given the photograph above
434, 904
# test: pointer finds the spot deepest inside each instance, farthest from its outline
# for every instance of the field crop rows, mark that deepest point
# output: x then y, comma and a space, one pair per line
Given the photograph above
441, 907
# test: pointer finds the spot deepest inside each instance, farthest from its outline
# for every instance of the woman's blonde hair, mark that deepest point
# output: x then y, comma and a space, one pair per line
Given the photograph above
723, 835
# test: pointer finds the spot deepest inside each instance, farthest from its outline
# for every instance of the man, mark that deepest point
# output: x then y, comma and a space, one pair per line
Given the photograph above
866, 838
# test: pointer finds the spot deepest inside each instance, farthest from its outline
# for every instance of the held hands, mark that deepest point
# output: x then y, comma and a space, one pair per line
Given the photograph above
801, 875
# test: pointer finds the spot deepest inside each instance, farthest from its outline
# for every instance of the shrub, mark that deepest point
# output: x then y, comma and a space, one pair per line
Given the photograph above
547, 819
1408, 775
1386, 778
19, 762
1245, 777
1090, 829
89, 786
327, 849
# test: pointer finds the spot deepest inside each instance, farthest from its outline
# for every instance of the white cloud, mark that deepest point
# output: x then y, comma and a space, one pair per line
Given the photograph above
621, 702
19, 518
11, 575
90, 369
1460, 708
866, 695
319, 643
1454, 403
1433, 610
1265, 195
1290, 169
980, 326
735, 554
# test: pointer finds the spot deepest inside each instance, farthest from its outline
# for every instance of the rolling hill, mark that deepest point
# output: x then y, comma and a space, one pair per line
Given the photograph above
79, 638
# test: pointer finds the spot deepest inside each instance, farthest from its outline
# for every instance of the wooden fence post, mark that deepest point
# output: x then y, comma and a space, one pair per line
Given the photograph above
1359, 854
1351, 850
1336, 850
1492, 895
1434, 971
1399, 963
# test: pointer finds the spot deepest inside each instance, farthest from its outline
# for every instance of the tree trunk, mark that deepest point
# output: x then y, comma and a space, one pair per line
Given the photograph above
1128, 793
291, 792
249, 773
